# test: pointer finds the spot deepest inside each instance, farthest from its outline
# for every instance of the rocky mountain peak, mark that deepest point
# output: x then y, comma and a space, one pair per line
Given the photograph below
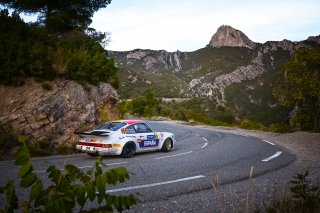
228, 36
315, 39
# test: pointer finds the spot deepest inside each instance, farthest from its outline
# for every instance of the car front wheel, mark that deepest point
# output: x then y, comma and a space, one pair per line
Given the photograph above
167, 145
128, 150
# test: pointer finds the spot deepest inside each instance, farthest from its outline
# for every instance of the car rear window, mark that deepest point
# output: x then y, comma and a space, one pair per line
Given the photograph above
113, 126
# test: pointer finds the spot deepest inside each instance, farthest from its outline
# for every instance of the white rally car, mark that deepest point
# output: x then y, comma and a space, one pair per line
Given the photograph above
125, 138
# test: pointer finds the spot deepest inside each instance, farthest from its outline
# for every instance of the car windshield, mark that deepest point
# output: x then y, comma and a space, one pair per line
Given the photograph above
113, 126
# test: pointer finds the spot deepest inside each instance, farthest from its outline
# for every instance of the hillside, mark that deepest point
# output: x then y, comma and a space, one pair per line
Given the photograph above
231, 70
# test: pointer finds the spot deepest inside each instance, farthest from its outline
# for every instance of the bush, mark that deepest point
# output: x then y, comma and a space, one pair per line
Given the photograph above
41, 147
305, 197
104, 115
280, 128
66, 148
249, 124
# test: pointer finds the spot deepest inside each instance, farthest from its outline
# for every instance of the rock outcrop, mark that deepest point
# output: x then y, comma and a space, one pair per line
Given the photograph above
216, 88
315, 39
151, 60
54, 110
228, 36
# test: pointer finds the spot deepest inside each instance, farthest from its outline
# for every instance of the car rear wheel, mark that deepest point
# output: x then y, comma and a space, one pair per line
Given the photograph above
167, 145
128, 150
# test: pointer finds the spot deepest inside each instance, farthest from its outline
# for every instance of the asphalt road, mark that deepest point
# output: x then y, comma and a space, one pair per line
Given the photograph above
200, 156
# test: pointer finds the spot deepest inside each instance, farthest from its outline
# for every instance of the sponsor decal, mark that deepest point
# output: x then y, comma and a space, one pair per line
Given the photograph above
157, 136
139, 140
149, 143
150, 137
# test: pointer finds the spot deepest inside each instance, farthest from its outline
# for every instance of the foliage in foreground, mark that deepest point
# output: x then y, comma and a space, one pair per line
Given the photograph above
70, 189
305, 197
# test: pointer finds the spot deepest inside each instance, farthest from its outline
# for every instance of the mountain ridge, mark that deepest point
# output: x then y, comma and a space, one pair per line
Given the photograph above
239, 75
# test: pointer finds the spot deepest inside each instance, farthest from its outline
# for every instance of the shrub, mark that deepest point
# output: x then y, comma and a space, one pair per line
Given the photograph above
249, 124
280, 128
104, 115
66, 148
305, 197
41, 147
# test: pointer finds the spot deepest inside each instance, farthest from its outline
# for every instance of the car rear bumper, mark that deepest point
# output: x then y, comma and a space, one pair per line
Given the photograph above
99, 150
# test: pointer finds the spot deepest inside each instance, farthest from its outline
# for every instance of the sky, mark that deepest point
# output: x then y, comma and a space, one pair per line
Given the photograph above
188, 25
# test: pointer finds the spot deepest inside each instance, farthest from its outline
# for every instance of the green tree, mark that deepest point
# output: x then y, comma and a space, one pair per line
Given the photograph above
146, 105
59, 15
299, 85
26, 50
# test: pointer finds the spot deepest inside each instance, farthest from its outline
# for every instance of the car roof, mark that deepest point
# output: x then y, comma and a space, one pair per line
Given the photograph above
130, 122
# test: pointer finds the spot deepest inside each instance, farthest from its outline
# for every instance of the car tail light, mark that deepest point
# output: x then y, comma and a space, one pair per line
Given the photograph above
107, 145
95, 144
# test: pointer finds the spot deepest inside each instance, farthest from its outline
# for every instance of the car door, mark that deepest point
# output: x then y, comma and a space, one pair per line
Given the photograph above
146, 138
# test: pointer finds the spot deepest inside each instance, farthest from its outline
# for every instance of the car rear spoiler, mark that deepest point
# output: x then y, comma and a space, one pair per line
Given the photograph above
96, 133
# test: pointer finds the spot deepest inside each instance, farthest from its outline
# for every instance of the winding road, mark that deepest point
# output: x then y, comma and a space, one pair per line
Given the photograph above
200, 156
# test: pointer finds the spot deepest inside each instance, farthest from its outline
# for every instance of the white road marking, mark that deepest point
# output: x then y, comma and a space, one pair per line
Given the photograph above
205, 139
155, 184
273, 156
206, 144
197, 135
83, 167
269, 142
169, 156
108, 164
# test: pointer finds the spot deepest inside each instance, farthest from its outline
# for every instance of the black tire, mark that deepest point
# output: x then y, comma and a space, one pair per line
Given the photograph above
128, 150
92, 154
167, 145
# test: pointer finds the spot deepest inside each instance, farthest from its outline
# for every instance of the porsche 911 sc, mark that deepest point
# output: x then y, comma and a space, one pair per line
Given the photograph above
125, 138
